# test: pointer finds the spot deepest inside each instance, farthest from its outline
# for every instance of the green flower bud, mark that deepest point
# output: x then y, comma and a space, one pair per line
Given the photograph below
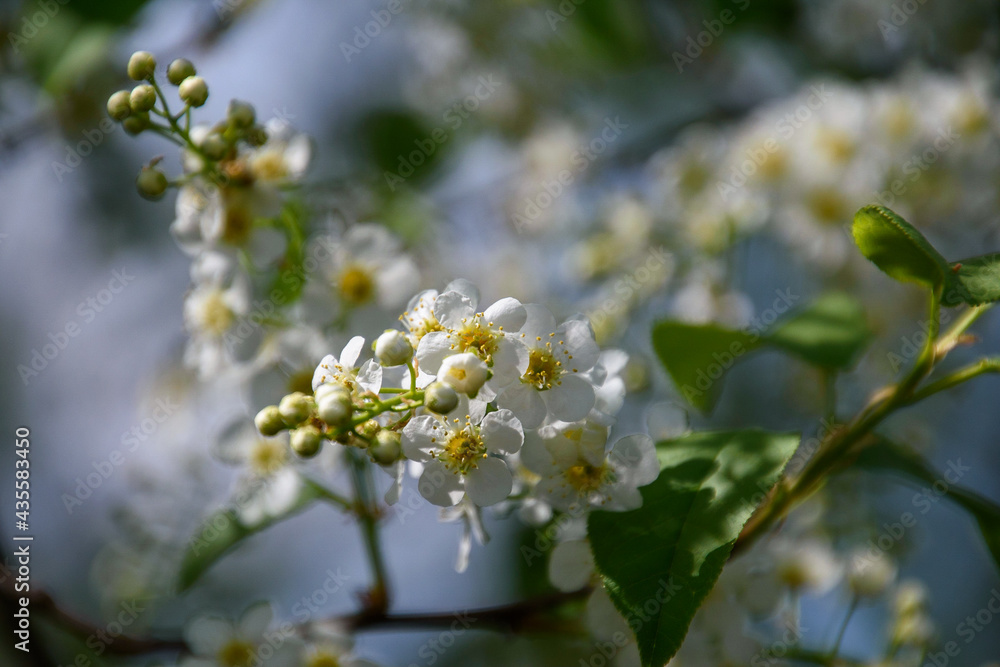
119, 107
256, 136
368, 429
335, 406
393, 348
214, 146
241, 114
269, 421
142, 97
387, 448
141, 66
193, 91
178, 70
440, 398
295, 408
136, 122
306, 441
151, 183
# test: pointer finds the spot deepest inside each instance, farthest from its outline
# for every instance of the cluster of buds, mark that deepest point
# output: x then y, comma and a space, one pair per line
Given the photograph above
145, 108
344, 412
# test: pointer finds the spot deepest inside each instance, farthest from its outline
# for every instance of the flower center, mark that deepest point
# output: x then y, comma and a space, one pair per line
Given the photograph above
828, 206
323, 659
586, 478
356, 285
237, 223
267, 456
269, 165
462, 452
474, 337
216, 316
236, 653
543, 368
838, 145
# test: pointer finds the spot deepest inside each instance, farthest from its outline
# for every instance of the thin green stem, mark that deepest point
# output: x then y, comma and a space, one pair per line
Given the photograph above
981, 367
835, 649
367, 509
330, 496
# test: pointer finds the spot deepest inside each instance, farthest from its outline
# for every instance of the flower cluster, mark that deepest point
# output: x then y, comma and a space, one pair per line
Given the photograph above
488, 403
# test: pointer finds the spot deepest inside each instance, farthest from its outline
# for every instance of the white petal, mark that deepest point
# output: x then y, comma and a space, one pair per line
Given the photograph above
502, 432
207, 635
396, 281
506, 362
370, 376
418, 435
623, 498
466, 288
324, 371
489, 482
579, 340
570, 400
525, 402
452, 307
255, 620
539, 321
432, 350
349, 357
506, 313
397, 471
535, 455
439, 485
267, 246
571, 565
637, 454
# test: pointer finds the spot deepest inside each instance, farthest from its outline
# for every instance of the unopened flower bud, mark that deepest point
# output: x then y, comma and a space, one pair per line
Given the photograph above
256, 136
141, 66
119, 107
295, 408
241, 114
440, 398
269, 421
368, 429
151, 183
213, 146
306, 441
386, 449
334, 406
465, 372
178, 70
142, 97
193, 91
393, 348
136, 122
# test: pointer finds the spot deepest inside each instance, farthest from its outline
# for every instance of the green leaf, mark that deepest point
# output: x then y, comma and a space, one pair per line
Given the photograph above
697, 356
665, 557
830, 333
897, 248
223, 530
886, 455
974, 281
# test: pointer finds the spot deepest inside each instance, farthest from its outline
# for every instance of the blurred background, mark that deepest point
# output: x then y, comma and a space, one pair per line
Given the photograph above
723, 145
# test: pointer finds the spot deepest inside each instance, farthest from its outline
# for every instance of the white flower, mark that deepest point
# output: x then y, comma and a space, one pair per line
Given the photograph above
393, 348
283, 158
419, 317
869, 574
571, 565
487, 334
217, 642
579, 475
806, 564
458, 456
332, 650
551, 368
344, 370
465, 373
211, 310
365, 267
270, 485
286, 363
